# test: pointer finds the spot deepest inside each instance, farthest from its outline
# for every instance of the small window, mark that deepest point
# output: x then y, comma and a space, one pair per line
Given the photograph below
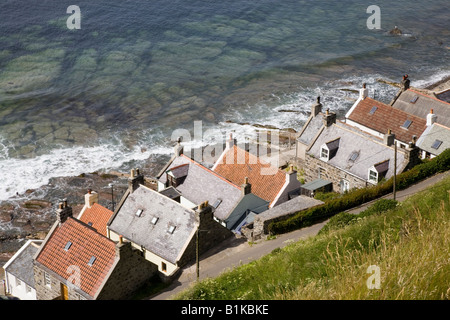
139, 212
171, 229
28, 289
414, 99
163, 267
91, 261
47, 280
372, 111
18, 282
406, 124
68, 245
154, 220
373, 176
436, 144
324, 153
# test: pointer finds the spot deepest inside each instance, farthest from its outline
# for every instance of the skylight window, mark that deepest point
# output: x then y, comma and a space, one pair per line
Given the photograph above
68, 245
354, 156
154, 220
436, 144
414, 99
139, 212
91, 261
372, 111
406, 124
171, 229
217, 203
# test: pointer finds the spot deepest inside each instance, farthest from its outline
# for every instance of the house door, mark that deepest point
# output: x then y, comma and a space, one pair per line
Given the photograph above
64, 292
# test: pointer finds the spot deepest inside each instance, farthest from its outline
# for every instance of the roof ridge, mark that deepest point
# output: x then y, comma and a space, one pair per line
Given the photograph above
427, 96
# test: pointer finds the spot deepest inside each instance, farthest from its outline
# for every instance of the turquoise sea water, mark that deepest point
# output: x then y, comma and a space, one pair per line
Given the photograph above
111, 93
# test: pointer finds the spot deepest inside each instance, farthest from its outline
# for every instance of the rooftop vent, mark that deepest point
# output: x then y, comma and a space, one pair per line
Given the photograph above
139, 212
154, 220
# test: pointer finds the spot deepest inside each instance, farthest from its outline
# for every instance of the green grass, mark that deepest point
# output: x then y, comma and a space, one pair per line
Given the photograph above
409, 242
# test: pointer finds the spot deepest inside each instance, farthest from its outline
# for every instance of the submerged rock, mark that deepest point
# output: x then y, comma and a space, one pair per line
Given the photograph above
396, 31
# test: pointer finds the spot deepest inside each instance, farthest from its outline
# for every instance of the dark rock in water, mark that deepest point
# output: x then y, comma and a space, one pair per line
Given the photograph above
396, 31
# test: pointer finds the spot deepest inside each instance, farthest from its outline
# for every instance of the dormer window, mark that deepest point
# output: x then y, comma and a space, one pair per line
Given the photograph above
329, 149
378, 171
373, 176
324, 153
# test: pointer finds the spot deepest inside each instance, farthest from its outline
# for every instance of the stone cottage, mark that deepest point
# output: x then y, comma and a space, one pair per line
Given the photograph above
75, 262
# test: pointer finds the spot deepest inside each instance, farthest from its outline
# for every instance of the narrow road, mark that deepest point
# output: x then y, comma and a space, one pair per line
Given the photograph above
233, 252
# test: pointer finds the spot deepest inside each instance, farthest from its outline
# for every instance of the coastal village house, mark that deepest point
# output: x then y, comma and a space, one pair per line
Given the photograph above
190, 183
19, 272
377, 118
351, 158
268, 182
76, 261
162, 229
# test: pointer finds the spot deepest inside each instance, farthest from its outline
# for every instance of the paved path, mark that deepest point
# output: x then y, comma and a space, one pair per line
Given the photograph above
233, 252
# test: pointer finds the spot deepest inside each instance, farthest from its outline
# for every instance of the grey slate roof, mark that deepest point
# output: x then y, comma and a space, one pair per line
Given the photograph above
421, 107
430, 135
22, 265
371, 150
294, 205
202, 184
155, 237
310, 129
316, 184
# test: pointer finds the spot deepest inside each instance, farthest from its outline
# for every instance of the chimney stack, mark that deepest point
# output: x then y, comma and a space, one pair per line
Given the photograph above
246, 187
316, 108
135, 180
389, 138
405, 83
329, 118
90, 198
178, 149
63, 211
431, 118
230, 142
363, 92
291, 175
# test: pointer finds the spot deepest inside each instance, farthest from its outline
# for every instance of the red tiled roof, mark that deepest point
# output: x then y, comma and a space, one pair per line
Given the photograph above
98, 216
86, 243
265, 186
386, 117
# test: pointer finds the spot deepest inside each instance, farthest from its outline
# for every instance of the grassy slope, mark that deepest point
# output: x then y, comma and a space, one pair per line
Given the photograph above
410, 244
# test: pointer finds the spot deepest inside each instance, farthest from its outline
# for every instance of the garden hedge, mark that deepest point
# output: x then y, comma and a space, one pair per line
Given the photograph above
357, 197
